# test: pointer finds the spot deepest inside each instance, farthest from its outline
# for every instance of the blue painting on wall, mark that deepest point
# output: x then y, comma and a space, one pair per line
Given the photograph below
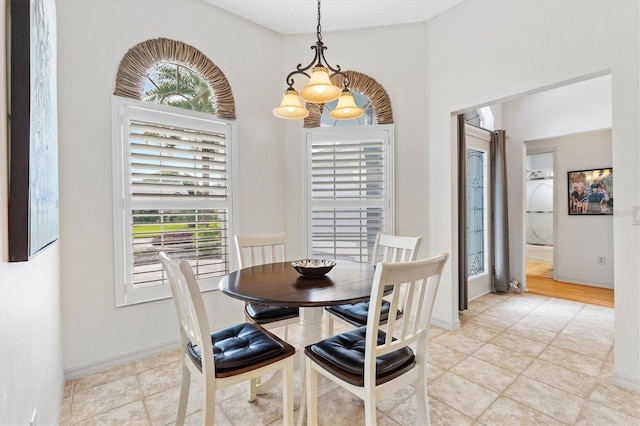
33, 178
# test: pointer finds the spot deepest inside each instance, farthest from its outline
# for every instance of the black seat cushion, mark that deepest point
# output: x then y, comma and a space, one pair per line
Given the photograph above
238, 346
346, 351
261, 312
356, 314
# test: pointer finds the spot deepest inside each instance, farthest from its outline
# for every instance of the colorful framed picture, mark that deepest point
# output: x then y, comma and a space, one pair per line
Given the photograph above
591, 192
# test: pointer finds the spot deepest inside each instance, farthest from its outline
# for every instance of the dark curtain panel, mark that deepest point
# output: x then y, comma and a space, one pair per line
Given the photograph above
462, 215
501, 219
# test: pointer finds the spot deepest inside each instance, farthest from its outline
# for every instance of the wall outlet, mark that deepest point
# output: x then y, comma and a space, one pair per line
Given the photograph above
635, 215
601, 260
34, 418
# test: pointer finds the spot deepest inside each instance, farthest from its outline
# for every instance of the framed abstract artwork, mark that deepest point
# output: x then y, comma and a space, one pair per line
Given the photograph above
33, 126
591, 192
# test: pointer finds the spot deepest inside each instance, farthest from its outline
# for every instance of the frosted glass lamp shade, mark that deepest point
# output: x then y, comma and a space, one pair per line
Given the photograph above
290, 108
346, 108
320, 90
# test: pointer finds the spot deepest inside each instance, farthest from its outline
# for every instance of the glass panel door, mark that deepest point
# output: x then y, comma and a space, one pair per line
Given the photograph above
476, 212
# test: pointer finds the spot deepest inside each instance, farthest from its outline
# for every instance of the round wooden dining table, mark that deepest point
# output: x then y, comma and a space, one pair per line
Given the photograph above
281, 285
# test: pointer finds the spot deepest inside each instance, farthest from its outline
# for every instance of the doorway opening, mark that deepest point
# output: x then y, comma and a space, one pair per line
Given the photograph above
564, 122
539, 214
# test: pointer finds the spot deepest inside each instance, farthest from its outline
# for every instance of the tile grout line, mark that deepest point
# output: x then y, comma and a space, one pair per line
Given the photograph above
142, 395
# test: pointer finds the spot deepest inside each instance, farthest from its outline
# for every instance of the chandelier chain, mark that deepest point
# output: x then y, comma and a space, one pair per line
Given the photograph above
319, 27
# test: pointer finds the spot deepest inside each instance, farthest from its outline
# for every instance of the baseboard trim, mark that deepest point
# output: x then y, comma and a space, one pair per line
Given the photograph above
447, 325
57, 409
115, 361
471, 299
626, 382
584, 282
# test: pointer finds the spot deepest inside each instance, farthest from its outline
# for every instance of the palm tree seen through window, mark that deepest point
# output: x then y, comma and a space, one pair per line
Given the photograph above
176, 85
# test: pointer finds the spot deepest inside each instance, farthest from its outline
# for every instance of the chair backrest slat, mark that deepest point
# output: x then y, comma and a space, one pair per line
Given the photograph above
254, 250
395, 248
414, 286
194, 324
422, 289
408, 307
393, 315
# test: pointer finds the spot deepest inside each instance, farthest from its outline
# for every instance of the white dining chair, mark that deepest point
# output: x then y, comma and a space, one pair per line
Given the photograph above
387, 248
374, 364
224, 357
259, 249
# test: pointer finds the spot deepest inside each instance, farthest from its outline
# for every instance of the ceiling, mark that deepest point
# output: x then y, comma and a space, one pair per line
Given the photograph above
301, 16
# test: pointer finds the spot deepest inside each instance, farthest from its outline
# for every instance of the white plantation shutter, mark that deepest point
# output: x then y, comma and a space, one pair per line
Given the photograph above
349, 185
173, 193
165, 161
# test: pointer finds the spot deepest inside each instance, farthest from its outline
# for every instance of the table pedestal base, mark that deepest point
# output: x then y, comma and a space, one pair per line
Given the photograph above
310, 332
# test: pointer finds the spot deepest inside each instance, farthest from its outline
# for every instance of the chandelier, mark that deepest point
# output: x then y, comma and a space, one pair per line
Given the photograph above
319, 90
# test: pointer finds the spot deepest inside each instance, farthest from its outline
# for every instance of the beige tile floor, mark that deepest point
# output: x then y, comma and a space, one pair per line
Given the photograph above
517, 359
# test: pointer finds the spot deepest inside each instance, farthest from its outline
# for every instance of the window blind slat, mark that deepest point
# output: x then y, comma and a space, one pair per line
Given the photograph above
356, 160
319, 146
152, 162
160, 179
151, 129
176, 146
364, 184
346, 157
353, 174
174, 191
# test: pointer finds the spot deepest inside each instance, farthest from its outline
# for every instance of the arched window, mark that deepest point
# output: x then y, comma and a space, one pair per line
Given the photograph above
482, 117
143, 57
368, 94
174, 84
173, 168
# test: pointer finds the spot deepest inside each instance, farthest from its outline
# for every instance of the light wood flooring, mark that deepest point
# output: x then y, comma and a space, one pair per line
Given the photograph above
540, 281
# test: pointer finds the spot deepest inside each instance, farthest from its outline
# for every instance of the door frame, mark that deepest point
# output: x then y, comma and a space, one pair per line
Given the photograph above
535, 151
484, 282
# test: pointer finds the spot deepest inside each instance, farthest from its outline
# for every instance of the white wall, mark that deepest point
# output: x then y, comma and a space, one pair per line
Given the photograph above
93, 37
573, 108
539, 119
31, 376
